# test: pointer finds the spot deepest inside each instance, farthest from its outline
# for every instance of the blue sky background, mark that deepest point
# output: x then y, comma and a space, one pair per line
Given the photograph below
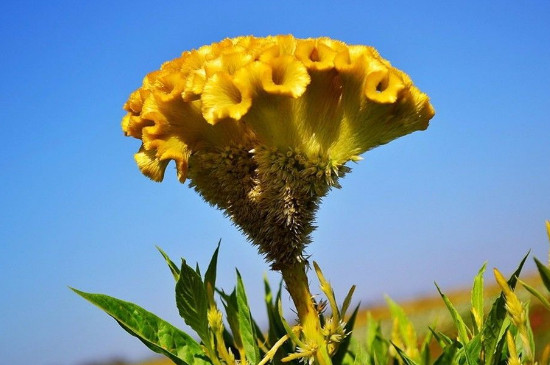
432, 206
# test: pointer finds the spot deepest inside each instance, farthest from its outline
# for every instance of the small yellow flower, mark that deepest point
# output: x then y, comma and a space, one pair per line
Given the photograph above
513, 358
262, 127
513, 304
518, 315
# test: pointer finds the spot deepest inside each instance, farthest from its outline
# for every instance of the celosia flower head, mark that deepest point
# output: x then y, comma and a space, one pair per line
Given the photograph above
263, 126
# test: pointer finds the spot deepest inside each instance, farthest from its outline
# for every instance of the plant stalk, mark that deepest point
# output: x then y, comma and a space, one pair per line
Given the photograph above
296, 282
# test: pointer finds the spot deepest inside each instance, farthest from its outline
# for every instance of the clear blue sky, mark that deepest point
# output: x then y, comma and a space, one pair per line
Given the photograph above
432, 206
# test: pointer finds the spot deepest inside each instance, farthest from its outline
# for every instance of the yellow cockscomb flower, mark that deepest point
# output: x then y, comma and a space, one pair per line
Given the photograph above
262, 127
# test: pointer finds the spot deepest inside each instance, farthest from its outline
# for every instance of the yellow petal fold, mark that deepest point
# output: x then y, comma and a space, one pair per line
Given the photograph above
150, 165
315, 55
223, 98
285, 76
382, 85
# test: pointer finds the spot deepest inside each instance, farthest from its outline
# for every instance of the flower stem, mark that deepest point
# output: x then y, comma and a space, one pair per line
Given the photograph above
297, 285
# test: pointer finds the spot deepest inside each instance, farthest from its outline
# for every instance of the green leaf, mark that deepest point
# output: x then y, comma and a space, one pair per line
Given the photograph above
340, 353
347, 301
514, 278
293, 337
372, 329
233, 316
359, 357
173, 268
210, 275
245, 324
192, 302
425, 349
448, 355
544, 273
537, 294
529, 331
406, 329
492, 327
258, 333
498, 357
472, 350
441, 338
493, 323
157, 334
381, 353
477, 299
377, 347
231, 311
407, 360
276, 329
457, 319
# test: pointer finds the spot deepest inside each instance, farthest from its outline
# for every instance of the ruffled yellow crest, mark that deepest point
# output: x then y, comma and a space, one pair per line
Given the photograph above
320, 96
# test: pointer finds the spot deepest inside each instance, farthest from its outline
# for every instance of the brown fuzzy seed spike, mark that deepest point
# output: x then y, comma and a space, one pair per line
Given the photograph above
271, 195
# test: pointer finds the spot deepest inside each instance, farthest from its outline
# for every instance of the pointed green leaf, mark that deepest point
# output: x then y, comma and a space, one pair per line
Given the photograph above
536, 293
377, 347
210, 275
498, 356
276, 329
173, 268
477, 299
406, 329
425, 349
288, 330
544, 273
359, 357
258, 333
457, 319
155, 333
448, 355
338, 357
279, 293
192, 302
231, 311
406, 359
492, 328
347, 301
441, 338
472, 350
530, 337
514, 278
372, 329
245, 324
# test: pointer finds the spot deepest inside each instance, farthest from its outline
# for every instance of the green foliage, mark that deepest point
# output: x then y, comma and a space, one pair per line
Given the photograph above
501, 336
155, 333
484, 341
246, 327
192, 302
243, 344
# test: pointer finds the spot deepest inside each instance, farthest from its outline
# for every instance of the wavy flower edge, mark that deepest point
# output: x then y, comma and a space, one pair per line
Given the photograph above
317, 95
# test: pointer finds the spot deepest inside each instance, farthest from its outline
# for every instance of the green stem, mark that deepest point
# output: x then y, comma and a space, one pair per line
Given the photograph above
297, 285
